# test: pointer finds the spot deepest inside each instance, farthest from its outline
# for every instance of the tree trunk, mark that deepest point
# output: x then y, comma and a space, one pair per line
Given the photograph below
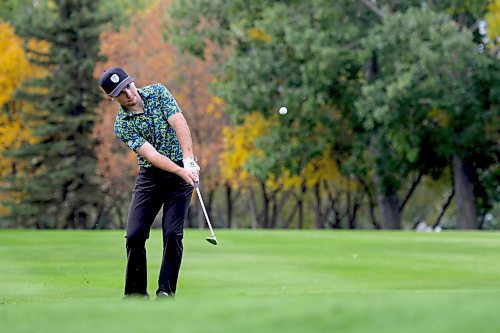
229, 206
354, 212
352, 216
97, 219
278, 203
265, 206
371, 202
318, 207
463, 176
300, 222
387, 198
289, 220
121, 220
301, 205
273, 220
389, 211
337, 224
389, 206
252, 205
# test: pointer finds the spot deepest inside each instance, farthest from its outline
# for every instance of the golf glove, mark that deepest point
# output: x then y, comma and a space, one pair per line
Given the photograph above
191, 165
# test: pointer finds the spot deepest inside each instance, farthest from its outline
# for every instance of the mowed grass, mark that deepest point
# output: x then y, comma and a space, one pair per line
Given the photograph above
256, 281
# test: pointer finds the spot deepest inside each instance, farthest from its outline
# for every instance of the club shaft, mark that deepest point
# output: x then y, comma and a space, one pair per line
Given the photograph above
205, 211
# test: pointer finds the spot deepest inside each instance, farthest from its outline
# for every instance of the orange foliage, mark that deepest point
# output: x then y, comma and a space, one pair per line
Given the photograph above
142, 51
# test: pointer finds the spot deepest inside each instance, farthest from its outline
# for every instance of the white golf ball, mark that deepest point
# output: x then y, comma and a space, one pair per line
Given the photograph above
283, 110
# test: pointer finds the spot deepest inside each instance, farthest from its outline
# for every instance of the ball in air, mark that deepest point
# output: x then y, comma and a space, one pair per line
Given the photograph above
283, 110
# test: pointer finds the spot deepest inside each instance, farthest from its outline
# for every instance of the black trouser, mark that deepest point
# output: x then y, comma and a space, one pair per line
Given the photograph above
154, 188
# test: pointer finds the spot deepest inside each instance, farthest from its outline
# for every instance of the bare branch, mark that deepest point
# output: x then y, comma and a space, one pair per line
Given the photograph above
412, 189
373, 8
445, 206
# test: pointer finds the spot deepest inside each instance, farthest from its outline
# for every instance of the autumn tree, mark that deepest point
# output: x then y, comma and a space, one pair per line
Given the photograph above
14, 130
62, 189
239, 146
186, 77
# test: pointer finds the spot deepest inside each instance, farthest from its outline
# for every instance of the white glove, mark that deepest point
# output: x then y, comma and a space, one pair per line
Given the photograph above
191, 165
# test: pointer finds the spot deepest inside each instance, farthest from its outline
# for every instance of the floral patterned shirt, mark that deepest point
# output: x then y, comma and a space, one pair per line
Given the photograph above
134, 129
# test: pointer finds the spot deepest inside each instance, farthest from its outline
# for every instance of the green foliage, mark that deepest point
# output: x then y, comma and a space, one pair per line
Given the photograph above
60, 188
20, 12
432, 97
194, 23
429, 101
285, 53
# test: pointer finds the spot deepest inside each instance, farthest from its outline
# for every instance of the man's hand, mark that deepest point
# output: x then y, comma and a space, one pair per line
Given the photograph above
160, 161
191, 166
188, 176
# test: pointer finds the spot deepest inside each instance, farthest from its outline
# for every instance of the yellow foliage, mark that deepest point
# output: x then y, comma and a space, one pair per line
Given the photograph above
14, 69
13, 62
215, 104
325, 168
320, 169
493, 20
238, 143
316, 171
285, 179
259, 34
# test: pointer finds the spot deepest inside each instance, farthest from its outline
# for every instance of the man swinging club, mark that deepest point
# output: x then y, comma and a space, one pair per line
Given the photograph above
151, 124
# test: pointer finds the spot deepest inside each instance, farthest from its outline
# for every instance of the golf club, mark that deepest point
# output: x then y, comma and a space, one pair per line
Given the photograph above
212, 239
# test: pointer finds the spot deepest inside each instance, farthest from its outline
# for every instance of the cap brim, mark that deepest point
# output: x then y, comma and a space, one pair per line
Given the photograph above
120, 87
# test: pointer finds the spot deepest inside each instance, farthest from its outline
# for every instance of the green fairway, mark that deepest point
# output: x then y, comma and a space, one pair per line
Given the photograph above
256, 281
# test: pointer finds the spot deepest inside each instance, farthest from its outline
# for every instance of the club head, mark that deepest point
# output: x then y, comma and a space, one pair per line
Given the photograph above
212, 240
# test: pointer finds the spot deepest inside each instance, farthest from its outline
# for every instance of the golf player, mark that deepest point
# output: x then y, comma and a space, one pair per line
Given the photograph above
151, 123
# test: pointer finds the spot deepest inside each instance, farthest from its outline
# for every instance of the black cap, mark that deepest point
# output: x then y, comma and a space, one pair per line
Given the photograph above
113, 80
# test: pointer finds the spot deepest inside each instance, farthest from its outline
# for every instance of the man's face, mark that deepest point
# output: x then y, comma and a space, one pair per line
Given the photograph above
129, 96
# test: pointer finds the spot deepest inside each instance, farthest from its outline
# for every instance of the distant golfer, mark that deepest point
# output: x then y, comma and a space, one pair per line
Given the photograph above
151, 124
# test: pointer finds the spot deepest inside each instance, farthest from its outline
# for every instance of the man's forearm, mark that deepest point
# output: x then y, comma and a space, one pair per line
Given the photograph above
164, 163
158, 160
183, 135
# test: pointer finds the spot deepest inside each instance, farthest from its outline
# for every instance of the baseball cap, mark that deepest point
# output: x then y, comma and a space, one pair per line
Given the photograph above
113, 80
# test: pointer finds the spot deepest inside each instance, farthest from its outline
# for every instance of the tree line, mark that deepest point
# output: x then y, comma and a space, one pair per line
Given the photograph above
393, 110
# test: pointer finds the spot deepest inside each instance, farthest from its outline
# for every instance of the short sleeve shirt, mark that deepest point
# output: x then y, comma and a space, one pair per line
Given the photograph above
134, 129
